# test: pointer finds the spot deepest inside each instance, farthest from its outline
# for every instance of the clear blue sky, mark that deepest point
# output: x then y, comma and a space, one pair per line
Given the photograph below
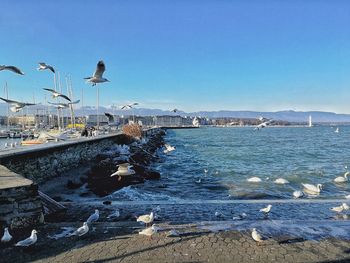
193, 55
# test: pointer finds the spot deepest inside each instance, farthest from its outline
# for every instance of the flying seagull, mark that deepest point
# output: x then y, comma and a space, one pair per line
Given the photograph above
43, 66
56, 94
16, 106
97, 76
12, 68
263, 125
175, 110
64, 105
110, 117
129, 106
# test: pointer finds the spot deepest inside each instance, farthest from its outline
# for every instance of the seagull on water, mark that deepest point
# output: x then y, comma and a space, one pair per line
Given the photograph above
256, 236
240, 216
44, 66
6, 237
147, 219
56, 94
254, 179
97, 76
81, 230
281, 181
16, 106
312, 189
11, 68
266, 210
297, 194
169, 148
129, 106
94, 217
342, 179
149, 231
28, 241
340, 208
347, 197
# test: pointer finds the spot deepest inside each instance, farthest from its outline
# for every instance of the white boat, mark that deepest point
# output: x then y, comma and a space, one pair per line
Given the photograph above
310, 121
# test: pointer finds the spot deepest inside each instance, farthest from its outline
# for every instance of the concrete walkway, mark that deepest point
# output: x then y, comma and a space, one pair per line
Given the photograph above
119, 242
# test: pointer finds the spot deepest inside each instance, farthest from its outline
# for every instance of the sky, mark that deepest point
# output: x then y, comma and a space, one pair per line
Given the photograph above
187, 54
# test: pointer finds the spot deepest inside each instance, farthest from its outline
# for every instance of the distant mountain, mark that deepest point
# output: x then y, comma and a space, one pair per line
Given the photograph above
289, 115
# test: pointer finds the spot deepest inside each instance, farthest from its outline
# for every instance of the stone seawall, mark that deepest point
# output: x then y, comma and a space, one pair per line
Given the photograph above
42, 165
20, 204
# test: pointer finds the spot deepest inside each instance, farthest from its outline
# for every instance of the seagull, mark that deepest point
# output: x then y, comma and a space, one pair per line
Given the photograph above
312, 189
342, 179
16, 106
147, 219
199, 181
169, 148
115, 214
298, 194
124, 169
56, 94
94, 217
129, 106
175, 110
28, 241
6, 237
263, 125
256, 236
218, 214
149, 231
11, 68
347, 197
205, 171
240, 217
281, 181
97, 76
43, 66
254, 179
173, 233
266, 210
81, 230
63, 105
340, 209
110, 117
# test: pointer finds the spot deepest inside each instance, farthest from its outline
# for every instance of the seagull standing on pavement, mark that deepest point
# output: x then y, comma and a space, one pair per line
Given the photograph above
28, 241
44, 66
149, 231
147, 219
6, 237
256, 236
56, 94
11, 68
97, 76
94, 217
81, 230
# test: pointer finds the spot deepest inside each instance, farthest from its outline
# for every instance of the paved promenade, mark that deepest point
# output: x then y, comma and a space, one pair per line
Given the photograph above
119, 242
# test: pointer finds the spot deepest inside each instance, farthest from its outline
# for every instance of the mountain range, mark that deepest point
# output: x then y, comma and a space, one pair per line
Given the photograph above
288, 115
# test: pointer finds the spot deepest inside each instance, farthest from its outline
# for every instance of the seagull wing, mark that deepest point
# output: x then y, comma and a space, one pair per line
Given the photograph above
74, 102
64, 96
51, 90
110, 117
51, 68
42, 64
12, 68
10, 101
28, 104
100, 69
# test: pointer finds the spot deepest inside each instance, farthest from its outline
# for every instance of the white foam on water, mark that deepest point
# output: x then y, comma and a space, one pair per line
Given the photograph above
133, 194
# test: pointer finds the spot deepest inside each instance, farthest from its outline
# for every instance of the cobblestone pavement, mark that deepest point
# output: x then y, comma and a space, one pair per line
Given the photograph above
119, 242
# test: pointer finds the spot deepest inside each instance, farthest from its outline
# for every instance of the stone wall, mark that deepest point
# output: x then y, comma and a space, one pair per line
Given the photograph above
20, 204
44, 165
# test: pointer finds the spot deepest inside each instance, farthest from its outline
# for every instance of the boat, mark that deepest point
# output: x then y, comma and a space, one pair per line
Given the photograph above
336, 130
32, 142
310, 121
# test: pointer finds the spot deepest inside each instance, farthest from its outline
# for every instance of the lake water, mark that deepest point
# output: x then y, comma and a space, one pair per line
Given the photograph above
232, 155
